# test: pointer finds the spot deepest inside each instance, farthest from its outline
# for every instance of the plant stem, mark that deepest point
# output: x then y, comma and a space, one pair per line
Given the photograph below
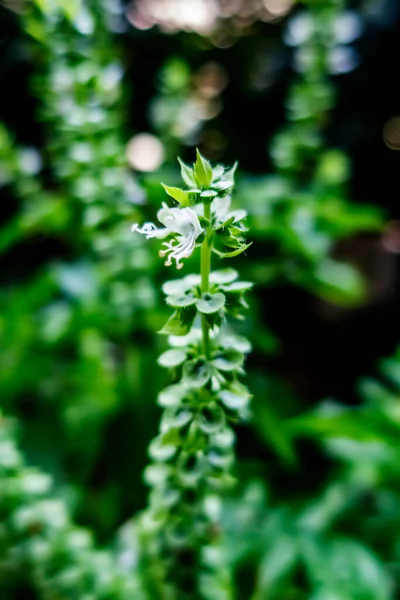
205, 279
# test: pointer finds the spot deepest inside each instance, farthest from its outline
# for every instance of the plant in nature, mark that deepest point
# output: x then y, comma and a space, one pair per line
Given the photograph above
343, 541
310, 548
40, 545
193, 453
340, 542
302, 208
364, 441
76, 310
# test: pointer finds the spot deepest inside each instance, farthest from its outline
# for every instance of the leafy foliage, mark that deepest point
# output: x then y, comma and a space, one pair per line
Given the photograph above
56, 557
79, 306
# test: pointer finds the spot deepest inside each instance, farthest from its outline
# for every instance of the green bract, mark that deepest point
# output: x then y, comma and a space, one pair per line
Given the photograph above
177, 194
202, 171
193, 453
180, 322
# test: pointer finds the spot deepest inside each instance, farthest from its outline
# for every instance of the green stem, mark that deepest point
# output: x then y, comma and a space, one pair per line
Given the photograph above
205, 280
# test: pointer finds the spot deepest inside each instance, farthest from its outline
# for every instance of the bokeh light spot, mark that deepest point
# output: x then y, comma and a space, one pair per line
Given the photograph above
145, 152
391, 133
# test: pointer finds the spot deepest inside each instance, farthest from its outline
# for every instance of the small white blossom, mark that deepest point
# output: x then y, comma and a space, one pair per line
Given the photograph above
181, 223
221, 209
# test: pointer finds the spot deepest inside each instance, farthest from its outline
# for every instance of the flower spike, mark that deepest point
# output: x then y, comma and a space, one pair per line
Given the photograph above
193, 454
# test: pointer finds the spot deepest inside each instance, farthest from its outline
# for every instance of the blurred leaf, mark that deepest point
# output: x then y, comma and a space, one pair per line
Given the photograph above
390, 368
333, 420
333, 167
338, 282
344, 569
276, 565
270, 426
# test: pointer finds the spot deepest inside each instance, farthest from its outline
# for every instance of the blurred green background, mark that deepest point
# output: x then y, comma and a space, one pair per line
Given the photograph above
98, 98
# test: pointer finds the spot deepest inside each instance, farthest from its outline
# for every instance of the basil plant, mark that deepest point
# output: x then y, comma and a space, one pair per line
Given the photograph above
192, 456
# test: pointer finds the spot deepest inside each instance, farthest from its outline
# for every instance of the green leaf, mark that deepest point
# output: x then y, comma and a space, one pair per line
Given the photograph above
390, 367
210, 303
345, 569
332, 420
338, 282
71, 8
187, 174
235, 304
236, 252
205, 223
180, 322
214, 320
278, 562
177, 194
202, 170
197, 372
228, 360
181, 300
172, 358
46, 6
225, 224
270, 426
231, 240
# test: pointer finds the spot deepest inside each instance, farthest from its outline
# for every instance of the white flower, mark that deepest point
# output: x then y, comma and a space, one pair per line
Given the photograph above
183, 224
221, 209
